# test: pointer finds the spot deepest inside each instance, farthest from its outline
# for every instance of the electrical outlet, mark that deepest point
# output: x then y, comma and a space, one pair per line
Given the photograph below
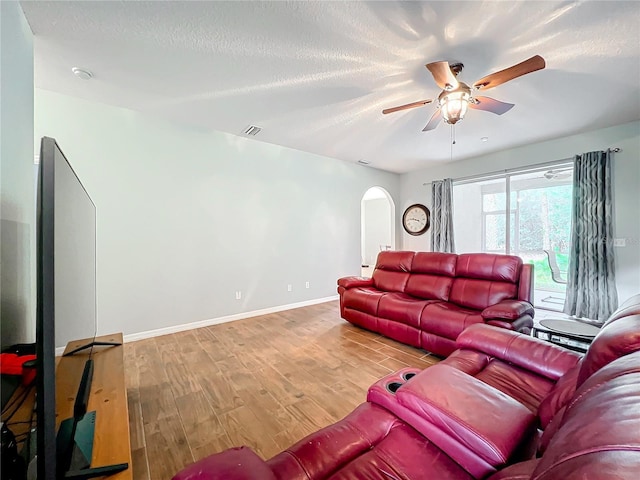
288, 288
619, 242
238, 295
306, 284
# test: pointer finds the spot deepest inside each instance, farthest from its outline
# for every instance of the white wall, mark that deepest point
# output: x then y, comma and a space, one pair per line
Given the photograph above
188, 217
626, 171
17, 205
377, 221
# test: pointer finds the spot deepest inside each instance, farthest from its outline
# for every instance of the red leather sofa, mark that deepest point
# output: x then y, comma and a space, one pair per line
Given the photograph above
444, 423
426, 299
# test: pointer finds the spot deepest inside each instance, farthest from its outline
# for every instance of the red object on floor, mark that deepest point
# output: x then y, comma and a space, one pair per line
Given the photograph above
12, 364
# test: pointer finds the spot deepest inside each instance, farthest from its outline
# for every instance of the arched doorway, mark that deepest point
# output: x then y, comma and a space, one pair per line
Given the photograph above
378, 226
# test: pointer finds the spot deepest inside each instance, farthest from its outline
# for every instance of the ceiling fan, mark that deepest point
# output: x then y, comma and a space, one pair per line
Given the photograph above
457, 96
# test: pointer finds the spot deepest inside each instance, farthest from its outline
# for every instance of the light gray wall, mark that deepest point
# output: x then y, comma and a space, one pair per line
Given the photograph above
186, 217
626, 171
17, 205
377, 215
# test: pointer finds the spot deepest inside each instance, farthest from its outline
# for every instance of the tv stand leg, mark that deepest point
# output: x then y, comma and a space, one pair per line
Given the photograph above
96, 472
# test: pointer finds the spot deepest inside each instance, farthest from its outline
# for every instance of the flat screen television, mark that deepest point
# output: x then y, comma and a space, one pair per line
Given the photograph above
66, 310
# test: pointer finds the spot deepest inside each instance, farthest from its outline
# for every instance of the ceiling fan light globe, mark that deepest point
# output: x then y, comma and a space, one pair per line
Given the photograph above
454, 106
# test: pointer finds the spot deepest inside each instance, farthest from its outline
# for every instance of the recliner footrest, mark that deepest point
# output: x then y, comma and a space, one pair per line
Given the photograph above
442, 403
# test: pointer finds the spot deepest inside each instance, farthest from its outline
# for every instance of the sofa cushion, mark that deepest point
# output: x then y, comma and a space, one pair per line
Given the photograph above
558, 396
436, 344
521, 384
484, 279
402, 308
395, 261
364, 320
398, 331
393, 270
545, 359
363, 299
620, 337
447, 320
598, 435
489, 266
432, 275
528, 388
479, 294
390, 281
631, 306
435, 263
430, 287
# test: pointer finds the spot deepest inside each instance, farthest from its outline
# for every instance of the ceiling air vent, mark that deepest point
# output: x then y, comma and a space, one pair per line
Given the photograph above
363, 162
252, 130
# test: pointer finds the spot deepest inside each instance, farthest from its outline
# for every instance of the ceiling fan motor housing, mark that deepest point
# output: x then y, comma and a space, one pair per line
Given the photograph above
456, 67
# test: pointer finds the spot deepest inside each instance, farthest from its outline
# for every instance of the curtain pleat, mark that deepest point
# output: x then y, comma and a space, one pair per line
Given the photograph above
591, 289
442, 216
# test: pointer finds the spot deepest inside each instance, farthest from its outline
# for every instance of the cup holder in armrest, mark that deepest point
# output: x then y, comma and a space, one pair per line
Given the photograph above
383, 392
393, 386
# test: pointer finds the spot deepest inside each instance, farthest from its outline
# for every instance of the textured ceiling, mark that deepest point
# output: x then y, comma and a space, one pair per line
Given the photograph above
316, 75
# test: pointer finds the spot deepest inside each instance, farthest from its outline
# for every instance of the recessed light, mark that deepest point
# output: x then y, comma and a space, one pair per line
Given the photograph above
484, 139
82, 73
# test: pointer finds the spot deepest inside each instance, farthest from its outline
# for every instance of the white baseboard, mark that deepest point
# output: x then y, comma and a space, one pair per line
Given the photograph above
228, 318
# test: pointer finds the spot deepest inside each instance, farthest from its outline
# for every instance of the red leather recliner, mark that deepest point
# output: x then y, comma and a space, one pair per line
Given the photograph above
542, 376
452, 421
426, 299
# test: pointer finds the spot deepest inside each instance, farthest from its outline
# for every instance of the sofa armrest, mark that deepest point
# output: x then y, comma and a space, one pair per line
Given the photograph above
354, 282
239, 463
535, 355
508, 310
473, 423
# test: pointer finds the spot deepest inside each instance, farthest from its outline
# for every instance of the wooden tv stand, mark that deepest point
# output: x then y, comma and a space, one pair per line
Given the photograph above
108, 398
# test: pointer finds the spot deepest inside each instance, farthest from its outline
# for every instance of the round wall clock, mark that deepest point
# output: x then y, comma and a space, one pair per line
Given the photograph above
416, 219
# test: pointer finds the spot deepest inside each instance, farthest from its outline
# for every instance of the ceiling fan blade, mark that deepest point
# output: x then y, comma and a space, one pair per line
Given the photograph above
407, 106
494, 79
434, 121
491, 105
443, 75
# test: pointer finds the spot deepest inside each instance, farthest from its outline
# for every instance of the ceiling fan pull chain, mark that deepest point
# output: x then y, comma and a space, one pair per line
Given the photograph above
453, 141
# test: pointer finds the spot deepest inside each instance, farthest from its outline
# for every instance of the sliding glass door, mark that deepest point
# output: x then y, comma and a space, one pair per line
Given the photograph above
525, 213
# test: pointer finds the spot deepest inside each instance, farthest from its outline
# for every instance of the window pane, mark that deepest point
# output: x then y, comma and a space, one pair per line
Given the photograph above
495, 232
543, 222
493, 201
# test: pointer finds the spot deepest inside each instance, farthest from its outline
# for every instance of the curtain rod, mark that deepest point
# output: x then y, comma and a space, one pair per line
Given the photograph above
513, 170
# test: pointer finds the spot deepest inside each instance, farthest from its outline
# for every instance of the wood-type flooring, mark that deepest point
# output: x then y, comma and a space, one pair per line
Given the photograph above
264, 381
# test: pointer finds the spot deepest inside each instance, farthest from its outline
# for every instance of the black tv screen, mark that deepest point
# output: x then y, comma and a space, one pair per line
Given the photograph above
66, 283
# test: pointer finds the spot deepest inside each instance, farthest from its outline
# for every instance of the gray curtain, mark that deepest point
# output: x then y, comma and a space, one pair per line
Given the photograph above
442, 216
591, 281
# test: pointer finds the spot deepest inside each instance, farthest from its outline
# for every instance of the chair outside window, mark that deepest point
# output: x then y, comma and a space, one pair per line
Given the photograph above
557, 275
